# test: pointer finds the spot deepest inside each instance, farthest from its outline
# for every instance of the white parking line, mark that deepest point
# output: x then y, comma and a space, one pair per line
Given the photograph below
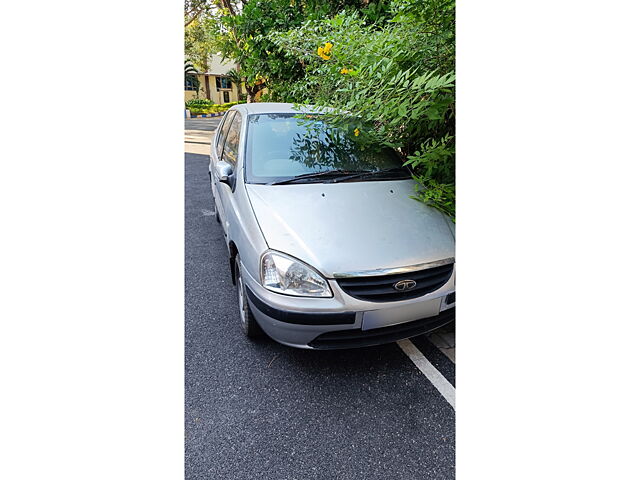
435, 377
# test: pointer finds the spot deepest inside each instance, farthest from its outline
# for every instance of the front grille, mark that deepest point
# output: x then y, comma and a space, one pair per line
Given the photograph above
380, 288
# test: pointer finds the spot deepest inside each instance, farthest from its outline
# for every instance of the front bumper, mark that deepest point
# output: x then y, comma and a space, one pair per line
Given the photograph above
343, 321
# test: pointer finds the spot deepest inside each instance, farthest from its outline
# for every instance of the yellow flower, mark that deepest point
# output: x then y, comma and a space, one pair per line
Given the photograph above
323, 55
324, 51
356, 132
346, 71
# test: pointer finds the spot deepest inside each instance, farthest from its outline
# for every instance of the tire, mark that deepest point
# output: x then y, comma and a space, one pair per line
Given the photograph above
248, 323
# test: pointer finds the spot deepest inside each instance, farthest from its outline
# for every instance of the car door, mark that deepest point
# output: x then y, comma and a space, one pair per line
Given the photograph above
216, 154
230, 151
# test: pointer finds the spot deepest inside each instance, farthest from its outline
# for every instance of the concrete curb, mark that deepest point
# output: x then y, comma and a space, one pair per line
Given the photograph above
206, 115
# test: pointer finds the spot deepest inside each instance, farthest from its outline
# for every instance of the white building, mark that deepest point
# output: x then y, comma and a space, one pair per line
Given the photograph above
214, 84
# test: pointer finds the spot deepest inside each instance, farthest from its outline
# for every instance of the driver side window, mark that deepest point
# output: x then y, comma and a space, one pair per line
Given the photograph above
232, 142
223, 133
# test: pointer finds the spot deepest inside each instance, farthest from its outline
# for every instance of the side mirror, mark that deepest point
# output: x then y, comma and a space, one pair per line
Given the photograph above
223, 171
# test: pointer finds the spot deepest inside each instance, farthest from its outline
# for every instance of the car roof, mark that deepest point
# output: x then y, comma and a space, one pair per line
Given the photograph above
266, 107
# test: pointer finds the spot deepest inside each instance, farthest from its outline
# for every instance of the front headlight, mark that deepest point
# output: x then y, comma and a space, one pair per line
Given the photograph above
284, 274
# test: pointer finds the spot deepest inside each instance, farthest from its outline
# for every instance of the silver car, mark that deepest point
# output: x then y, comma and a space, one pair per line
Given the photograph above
326, 247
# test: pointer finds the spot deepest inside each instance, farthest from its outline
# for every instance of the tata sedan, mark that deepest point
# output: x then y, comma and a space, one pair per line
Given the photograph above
326, 247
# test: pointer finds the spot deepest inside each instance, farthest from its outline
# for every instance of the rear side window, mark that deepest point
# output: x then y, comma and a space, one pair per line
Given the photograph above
224, 128
232, 141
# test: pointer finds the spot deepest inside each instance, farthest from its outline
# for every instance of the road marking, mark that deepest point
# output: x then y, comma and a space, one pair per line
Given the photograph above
435, 377
208, 213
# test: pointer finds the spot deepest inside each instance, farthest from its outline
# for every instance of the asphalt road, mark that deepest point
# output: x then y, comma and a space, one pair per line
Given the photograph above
257, 409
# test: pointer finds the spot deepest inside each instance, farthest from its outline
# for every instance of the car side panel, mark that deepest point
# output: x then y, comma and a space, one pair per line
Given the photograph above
241, 225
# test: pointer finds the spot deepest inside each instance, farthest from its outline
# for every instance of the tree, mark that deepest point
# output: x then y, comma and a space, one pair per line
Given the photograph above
194, 9
389, 63
395, 78
236, 77
199, 43
202, 21
244, 34
253, 88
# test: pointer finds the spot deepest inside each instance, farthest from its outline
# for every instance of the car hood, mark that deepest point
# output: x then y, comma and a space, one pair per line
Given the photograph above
351, 226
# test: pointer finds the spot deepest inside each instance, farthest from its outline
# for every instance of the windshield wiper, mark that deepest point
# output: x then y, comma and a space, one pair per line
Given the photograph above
389, 172
326, 173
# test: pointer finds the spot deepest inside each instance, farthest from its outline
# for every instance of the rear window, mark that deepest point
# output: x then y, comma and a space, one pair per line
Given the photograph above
282, 146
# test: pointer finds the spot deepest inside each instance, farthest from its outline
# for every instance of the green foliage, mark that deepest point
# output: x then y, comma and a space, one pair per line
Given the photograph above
435, 167
199, 42
394, 76
387, 69
198, 103
227, 106
247, 38
199, 106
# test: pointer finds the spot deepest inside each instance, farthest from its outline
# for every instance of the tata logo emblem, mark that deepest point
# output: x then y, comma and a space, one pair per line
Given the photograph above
404, 285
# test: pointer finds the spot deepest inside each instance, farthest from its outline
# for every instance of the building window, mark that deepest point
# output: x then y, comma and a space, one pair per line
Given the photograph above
190, 83
225, 96
223, 82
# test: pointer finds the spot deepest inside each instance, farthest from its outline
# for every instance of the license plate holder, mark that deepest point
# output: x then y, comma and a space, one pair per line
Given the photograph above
400, 314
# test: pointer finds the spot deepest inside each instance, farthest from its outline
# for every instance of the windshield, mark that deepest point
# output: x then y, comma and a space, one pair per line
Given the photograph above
281, 146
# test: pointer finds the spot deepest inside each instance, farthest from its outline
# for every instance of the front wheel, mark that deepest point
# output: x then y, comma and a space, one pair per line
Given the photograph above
248, 322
